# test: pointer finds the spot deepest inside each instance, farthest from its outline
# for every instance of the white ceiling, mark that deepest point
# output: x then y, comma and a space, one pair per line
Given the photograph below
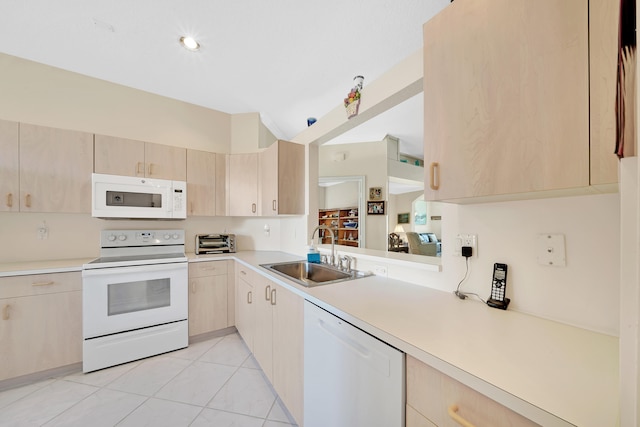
287, 59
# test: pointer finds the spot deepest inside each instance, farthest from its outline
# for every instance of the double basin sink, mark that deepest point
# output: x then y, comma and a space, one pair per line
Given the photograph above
310, 274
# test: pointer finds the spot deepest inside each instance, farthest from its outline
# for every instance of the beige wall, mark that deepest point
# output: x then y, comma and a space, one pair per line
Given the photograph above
44, 95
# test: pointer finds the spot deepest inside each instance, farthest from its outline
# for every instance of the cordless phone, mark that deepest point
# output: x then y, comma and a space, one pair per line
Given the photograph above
498, 297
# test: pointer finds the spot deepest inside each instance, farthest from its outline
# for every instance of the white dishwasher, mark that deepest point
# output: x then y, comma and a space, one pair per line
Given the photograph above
351, 379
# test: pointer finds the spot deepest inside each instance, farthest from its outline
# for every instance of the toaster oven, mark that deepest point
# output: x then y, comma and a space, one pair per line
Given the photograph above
215, 243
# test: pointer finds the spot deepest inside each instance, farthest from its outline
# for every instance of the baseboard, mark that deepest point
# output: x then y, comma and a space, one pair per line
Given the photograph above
213, 334
40, 376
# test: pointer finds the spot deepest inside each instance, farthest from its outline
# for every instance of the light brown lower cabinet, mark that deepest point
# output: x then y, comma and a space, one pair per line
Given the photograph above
208, 302
40, 323
270, 320
416, 419
438, 399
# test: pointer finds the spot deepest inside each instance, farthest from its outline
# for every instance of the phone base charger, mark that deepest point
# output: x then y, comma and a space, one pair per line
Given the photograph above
502, 305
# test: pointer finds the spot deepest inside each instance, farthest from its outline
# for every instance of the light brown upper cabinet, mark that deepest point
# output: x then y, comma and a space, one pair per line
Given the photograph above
206, 183
9, 167
507, 98
243, 184
120, 156
55, 169
282, 179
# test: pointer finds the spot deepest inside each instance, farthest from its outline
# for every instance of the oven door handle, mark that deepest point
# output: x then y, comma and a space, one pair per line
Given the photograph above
94, 272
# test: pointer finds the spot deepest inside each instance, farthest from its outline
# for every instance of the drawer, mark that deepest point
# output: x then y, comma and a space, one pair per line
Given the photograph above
415, 419
39, 284
207, 268
245, 273
433, 394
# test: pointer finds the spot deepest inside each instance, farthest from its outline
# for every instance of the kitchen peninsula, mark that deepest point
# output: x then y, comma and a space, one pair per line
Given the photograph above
551, 373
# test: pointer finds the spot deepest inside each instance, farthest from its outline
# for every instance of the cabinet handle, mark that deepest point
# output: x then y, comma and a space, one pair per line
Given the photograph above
150, 169
193, 287
244, 273
453, 413
273, 296
5, 312
267, 293
249, 297
10, 200
27, 200
434, 176
253, 207
138, 171
50, 282
274, 206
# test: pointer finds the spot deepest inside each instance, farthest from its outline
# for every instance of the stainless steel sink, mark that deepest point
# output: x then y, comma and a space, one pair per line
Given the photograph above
309, 274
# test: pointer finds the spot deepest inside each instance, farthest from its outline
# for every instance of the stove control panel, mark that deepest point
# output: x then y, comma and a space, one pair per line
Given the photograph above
121, 238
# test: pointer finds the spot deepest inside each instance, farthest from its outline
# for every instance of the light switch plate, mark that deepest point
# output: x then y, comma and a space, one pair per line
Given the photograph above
551, 250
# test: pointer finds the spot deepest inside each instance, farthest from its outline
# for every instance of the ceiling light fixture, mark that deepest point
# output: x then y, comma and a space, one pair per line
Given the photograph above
189, 43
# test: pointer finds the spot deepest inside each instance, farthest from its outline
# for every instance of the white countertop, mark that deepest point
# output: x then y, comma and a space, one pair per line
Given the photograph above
545, 370
42, 267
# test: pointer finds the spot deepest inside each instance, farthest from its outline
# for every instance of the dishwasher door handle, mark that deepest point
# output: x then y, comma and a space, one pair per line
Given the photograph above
344, 338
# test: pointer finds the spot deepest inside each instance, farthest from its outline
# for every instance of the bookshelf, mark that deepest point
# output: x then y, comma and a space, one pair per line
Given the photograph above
344, 222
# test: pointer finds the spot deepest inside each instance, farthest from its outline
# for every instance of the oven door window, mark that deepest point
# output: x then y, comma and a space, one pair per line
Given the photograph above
129, 297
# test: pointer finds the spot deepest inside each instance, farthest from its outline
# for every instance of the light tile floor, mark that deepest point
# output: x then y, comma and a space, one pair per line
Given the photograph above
211, 383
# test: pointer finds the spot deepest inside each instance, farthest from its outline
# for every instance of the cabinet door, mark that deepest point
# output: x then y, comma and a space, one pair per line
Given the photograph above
201, 183
288, 349
245, 313
603, 62
269, 180
221, 184
282, 179
415, 419
207, 304
55, 170
506, 99
431, 393
165, 162
9, 190
40, 332
119, 156
243, 184
263, 337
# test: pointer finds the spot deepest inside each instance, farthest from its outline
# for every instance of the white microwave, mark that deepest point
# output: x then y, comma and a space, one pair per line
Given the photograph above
115, 196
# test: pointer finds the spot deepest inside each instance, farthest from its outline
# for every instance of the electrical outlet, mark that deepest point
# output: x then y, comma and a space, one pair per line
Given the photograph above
466, 240
43, 231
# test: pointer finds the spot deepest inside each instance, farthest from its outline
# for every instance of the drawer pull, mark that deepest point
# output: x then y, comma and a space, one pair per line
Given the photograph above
273, 296
249, 297
267, 293
9, 200
5, 312
453, 413
50, 282
434, 176
244, 273
208, 268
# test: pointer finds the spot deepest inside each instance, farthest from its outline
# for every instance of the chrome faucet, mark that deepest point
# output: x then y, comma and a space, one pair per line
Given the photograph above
332, 258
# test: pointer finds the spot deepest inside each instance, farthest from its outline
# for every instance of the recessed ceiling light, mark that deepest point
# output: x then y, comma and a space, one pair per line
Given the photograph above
189, 43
